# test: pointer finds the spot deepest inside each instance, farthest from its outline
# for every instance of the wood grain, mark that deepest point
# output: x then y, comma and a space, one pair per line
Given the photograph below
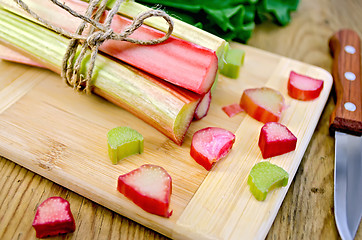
347, 90
307, 211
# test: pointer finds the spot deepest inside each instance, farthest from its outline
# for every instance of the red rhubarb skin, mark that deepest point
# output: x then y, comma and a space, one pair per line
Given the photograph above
272, 148
55, 227
258, 112
303, 94
149, 204
199, 155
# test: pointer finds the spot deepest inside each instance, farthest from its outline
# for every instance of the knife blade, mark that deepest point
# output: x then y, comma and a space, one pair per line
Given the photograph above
346, 123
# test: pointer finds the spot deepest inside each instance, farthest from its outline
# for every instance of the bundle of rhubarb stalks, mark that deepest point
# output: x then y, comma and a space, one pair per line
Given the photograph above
167, 85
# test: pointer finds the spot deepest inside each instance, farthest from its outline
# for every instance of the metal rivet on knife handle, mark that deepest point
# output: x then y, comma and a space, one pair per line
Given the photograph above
345, 47
350, 106
350, 76
350, 49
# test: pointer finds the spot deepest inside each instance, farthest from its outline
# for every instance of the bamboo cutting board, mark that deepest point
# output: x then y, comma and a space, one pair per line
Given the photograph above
48, 128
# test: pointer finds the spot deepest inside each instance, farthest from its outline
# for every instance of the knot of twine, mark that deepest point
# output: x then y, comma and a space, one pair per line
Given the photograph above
98, 33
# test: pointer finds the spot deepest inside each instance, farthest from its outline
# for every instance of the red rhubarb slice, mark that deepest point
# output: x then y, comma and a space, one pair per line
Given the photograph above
304, 88
211, 144
263, 104
276, 139
149, 187
232, 109
53, 217
203, 107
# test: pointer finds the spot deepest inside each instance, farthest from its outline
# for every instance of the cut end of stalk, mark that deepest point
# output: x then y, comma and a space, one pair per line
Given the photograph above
183, 122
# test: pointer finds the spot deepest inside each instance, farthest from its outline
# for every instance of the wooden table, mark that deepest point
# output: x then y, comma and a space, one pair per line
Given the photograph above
307, 211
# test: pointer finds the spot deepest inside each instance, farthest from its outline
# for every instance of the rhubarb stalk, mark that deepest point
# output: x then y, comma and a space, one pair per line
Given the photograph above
177, 61
164, 106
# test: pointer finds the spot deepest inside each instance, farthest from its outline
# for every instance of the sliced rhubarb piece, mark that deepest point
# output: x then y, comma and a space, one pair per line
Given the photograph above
149, 187
233, 61
203, 107
211, 144
232, 109
166, 107
276, 139
263, 104
304, 88
177, 61
53, 217
264, 177
123, 142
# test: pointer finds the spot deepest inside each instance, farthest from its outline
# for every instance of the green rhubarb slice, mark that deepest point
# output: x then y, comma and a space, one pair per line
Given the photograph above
233, 61
123, 142
264, 177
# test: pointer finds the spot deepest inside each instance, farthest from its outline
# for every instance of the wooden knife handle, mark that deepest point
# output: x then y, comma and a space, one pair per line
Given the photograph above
346, 49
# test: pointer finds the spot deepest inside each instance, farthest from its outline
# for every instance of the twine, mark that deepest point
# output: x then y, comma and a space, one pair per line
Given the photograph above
98, 33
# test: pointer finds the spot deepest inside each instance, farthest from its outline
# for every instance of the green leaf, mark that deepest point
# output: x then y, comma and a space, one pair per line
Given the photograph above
229, 19
279, 9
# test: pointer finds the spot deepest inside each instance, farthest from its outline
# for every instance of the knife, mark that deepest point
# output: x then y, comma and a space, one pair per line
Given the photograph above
346, 123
